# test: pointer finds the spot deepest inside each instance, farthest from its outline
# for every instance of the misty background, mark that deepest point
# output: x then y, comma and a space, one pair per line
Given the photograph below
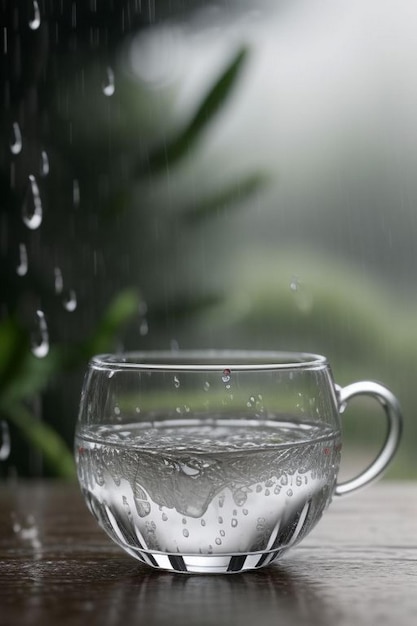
205, 174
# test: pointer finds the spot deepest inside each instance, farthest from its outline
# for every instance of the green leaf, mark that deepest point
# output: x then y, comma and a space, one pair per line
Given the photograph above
14, 345
229, 196
55, 452
21, 373
209, 107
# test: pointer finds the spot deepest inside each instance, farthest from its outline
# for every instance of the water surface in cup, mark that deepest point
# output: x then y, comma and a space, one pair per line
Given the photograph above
208, 494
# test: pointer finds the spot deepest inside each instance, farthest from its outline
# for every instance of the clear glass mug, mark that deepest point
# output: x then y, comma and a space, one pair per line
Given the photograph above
216, 461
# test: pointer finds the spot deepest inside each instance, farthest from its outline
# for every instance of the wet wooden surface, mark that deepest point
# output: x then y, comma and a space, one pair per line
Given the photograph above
359, 566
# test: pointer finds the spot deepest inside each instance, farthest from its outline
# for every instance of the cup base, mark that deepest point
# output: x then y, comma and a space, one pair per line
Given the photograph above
206, 563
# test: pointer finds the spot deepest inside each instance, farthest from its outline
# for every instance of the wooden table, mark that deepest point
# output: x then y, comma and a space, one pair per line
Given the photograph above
359, 566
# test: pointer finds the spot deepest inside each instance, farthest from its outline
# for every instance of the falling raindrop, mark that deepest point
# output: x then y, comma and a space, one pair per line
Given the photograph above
32, 213
5, 441
40, 339
16, 140
22, 268
59, 283
206, 386
44, 165
176, 382
295, 283
35, 22
70, 301
303, 298
109, 86
144, 327
75, 193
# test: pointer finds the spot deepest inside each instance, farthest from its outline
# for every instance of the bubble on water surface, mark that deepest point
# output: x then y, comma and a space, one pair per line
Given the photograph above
32, 213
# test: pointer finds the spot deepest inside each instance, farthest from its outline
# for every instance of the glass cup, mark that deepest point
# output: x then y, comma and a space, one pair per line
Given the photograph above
216, 461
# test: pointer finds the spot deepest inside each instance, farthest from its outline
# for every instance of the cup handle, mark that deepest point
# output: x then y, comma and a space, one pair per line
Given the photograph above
393, 414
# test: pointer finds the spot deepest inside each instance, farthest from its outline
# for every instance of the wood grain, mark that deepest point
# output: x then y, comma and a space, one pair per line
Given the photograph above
359, 566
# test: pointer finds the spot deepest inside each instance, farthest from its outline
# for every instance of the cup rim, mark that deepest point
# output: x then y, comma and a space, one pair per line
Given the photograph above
208, 360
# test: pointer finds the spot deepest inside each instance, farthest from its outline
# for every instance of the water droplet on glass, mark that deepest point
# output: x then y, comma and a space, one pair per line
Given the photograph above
40, 339
69, 301
32, 208
218, 541
186, 532
22, 268
203, 522
226, 375
176, 382
108, 85
164, 517
16, 140
220, 520
206, 386
59, 283
251, 402
35, 22
234, 522
44, 165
